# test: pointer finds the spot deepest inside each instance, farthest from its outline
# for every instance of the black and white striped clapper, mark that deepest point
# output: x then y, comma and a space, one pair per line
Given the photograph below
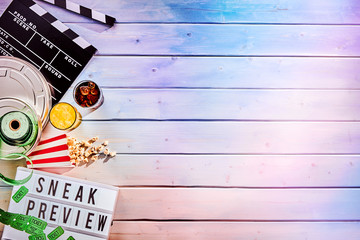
84, 11
60, 26
34, 35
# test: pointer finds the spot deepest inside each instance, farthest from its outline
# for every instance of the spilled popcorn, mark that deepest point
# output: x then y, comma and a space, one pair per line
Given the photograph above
83, 151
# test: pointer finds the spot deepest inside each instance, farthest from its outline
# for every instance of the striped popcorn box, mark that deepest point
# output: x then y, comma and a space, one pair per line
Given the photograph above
51, 152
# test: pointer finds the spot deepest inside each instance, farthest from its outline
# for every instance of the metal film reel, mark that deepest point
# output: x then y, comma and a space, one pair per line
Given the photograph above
20, 79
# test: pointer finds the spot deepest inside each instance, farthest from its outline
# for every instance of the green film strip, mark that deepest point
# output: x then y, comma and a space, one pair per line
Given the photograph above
18, 130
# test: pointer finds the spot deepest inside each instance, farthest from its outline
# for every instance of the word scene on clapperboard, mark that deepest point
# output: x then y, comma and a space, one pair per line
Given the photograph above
40, 59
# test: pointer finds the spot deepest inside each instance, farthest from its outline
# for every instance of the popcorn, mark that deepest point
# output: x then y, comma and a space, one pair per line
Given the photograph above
83, 151
94, 139
92, 150
87, 154
106, 151
100, 148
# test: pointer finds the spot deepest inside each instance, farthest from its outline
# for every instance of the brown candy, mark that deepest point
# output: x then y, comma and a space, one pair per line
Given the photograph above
84, 90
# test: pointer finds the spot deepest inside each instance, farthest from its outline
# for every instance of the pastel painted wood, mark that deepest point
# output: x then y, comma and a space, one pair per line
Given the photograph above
239, 118
127, 230
231, 40
264, 171
224, 72
5, 193
8, 168
238, 204
227, 11
220, 170
228, 104
195, 137
235, 204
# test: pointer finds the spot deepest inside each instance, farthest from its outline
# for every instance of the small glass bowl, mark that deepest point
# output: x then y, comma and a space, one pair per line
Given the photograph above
65, 116
88, 94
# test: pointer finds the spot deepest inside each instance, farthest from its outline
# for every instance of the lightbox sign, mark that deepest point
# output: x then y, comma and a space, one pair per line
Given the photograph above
83, 209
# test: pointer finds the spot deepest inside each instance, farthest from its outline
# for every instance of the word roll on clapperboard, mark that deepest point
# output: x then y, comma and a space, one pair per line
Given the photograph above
29, 32
81, 209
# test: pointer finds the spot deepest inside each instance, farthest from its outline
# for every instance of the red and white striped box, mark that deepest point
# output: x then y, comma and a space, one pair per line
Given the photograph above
51, 152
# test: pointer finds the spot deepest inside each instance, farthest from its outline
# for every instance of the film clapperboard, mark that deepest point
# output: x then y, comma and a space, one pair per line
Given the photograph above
29, 32
83, 209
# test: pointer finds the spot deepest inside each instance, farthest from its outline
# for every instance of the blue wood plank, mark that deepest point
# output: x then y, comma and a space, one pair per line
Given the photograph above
224, 72
225, 11
222, 40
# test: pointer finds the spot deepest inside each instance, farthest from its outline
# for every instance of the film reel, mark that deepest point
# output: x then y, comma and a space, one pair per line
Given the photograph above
22, 80
20, 127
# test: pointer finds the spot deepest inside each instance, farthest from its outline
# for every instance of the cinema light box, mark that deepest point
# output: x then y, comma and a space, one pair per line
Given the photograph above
83, 209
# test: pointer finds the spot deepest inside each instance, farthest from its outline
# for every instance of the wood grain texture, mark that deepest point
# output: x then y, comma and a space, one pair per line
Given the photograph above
5, 194
224, 72
233, 204
222, 171
238, 204
230, 40
128, 230
210, 104
8, 168
224, 137
239, 116
227, 11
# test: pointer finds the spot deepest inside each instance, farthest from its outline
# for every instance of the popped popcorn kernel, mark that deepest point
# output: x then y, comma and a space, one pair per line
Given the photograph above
106, 151
84, 150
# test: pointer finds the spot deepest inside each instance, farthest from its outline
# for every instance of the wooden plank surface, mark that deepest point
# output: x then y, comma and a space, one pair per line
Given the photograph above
234, 204
260, 129
238, 204
229, 104
224, 72
227, 11
225, 137
266, 171
128, 230
4, 197
230, 40
8, 168
222, 170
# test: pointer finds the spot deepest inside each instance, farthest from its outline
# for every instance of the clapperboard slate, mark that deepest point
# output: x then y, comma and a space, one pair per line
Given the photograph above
29, 32
83, 209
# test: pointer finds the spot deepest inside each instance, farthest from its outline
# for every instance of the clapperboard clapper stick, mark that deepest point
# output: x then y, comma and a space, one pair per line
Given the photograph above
84, 11
33, 34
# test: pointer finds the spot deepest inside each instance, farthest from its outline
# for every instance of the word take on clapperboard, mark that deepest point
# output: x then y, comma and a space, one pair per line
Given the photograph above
83, 209
29, 32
